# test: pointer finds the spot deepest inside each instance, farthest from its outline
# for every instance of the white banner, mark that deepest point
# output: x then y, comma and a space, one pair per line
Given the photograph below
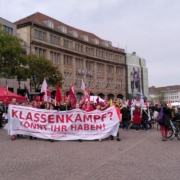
62, 125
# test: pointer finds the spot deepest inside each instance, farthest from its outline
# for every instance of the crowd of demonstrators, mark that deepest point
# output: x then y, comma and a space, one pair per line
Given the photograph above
139, 116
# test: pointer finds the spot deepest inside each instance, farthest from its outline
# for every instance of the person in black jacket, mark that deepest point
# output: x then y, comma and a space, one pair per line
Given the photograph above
145, 118
125, 116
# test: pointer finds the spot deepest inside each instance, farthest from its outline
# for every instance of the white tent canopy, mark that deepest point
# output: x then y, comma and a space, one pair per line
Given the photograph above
175, 104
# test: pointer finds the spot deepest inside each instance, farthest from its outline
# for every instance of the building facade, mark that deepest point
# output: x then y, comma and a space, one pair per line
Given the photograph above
13, 85
168, 93
137, 76
79, 55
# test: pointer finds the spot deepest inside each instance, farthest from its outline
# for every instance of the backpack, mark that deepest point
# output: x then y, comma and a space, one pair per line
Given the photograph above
159, 118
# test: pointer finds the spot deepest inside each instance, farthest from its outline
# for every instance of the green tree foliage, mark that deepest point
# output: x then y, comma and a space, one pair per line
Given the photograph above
40, 68
11, 58
160, 96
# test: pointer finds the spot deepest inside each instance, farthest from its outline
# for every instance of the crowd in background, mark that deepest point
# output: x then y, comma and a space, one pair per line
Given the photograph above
139, 117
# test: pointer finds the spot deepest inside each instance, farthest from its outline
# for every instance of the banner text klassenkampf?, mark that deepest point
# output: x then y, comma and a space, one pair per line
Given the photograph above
62, 125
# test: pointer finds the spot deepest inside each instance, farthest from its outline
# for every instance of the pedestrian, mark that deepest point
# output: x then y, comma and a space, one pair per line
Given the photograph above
165, 124
125, 117
145, 117
136, 118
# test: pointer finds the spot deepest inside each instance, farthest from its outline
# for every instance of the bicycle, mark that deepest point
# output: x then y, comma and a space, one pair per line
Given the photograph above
172, 130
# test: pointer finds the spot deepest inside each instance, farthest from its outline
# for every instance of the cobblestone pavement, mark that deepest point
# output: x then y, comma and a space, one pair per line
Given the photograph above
139, 156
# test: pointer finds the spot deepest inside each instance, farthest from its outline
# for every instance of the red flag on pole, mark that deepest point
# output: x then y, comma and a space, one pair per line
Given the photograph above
72, 96
58, 97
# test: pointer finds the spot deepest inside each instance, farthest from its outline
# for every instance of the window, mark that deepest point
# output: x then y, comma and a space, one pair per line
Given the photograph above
96, 41
54, 40
63, 29
67, 44
79, 47
67, 60
75, 34
49, 23
8, 29
40, 51
54, 57
86, 38
106, 44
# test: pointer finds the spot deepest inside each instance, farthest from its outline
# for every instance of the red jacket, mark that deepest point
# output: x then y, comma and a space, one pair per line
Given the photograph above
136, 117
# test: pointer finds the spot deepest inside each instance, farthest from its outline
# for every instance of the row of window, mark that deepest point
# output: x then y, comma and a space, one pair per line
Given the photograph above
69, 44
172, 97
63, 29
55, 58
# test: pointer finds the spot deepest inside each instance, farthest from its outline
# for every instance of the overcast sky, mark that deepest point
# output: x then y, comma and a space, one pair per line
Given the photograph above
151, 28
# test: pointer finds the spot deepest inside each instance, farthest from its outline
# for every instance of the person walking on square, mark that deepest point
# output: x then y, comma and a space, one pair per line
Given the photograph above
136, 118
145, 118
167, 115
125, 116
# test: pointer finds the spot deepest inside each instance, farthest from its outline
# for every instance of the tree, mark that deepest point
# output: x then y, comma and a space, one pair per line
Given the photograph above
160, 96
40, 68
11, 58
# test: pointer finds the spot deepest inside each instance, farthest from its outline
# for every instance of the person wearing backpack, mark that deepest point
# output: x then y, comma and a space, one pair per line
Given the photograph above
164, 121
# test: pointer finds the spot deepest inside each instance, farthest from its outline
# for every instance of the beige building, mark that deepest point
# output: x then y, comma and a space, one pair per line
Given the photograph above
169, 93
13, 84
79, 55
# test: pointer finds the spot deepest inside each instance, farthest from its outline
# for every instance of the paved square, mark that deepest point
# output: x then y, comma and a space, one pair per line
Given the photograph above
139, 156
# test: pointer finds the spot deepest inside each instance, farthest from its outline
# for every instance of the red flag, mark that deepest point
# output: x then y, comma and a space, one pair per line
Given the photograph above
72, 96
58, 94
97, 100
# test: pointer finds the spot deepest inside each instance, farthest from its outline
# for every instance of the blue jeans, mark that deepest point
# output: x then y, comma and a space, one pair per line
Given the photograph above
136, 127
125, 124
145, 124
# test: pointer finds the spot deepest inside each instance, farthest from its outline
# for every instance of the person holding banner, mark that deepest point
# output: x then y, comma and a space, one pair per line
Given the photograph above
119, 116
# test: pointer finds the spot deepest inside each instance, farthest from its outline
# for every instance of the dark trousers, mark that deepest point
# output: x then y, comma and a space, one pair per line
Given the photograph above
125, 124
